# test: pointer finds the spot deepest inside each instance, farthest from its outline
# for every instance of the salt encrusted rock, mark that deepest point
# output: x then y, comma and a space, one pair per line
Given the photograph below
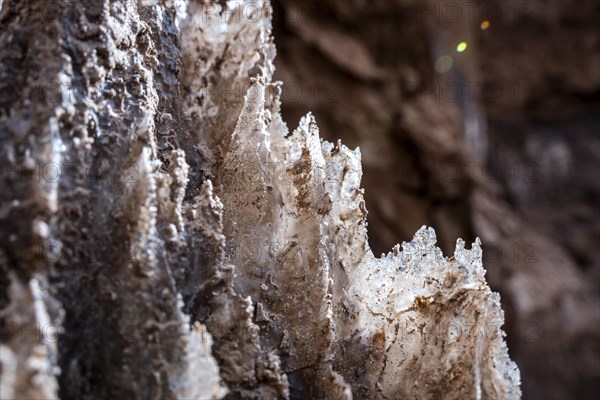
28, 357
427, 325
261, 287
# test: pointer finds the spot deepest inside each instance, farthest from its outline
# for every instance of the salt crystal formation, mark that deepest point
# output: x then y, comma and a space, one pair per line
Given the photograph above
199, 250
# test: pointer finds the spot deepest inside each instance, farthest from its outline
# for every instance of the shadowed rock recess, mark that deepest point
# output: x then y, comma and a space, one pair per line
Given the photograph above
163, 234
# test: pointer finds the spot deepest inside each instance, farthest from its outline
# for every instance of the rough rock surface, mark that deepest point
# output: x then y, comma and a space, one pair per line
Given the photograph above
165, 236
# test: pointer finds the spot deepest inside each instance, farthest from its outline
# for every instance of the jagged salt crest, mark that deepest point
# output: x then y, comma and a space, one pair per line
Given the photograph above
297, 231
429, 318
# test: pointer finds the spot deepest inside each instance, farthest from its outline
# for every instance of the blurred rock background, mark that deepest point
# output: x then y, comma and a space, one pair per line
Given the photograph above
479, 118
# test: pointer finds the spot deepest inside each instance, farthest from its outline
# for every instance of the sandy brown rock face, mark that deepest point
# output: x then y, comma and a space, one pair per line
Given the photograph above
160, 220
